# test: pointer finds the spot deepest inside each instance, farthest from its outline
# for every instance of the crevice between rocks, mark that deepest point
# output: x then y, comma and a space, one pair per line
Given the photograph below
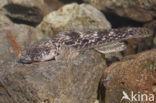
118, 21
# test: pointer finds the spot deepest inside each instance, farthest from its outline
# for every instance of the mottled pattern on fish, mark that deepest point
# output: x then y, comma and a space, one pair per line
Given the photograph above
50, 48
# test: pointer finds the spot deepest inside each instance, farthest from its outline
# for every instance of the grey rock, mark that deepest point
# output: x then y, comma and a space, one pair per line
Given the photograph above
23, 14
3, 2
4, 20
73, 17
28, 11
139, 10
73, 81
45, 5
23, 35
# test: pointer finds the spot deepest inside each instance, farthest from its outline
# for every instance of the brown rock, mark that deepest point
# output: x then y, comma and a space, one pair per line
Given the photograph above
138, 45
139, 10
136, 74
73, 81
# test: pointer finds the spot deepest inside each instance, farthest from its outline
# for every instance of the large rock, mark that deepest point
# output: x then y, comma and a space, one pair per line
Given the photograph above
135, 73
29, 12
4, 20
74, 17
139, 10
3, 2
15, 36
44, 5
73, 81
152, 25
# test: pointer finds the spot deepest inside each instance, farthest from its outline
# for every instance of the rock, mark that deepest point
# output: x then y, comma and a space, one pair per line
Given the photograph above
154, 41
135, 74
45, 5
132, 46
73, 17
13, 37
138, 45
3, 2
73, 81
4, 19
53, 5
152, 25
22, 14
139, 10
28, 12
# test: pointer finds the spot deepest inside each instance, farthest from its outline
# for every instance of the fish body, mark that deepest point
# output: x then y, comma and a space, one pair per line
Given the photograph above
110, 40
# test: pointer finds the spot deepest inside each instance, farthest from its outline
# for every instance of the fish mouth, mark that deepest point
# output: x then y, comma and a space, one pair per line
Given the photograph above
24, 59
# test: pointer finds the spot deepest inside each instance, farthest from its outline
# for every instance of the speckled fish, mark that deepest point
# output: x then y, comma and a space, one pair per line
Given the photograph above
105, 41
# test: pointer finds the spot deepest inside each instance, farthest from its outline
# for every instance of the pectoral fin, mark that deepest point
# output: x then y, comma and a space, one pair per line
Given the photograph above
113, 47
